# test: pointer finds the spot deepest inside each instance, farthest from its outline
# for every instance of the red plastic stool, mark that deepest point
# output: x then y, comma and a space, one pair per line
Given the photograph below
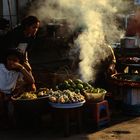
98, 113
101, 114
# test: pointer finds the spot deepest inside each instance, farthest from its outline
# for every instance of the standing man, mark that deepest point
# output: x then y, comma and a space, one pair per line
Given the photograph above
22, 37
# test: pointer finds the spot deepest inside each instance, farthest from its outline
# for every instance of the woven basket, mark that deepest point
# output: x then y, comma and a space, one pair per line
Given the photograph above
64, 73
95, 97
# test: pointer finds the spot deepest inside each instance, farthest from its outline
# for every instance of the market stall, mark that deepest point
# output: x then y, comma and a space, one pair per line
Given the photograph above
66, 103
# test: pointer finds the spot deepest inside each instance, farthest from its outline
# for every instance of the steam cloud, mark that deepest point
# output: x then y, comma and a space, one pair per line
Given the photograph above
98, 20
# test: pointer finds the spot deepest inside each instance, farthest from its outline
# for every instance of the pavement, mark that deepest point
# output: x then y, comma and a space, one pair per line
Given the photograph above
121, 127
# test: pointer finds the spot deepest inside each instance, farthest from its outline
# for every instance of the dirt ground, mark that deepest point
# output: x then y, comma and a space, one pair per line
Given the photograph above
121, 127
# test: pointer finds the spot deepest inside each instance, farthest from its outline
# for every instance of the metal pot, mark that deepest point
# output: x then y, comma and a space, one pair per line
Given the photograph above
52, 29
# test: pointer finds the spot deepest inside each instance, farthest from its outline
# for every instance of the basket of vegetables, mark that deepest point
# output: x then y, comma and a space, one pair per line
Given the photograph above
95, 94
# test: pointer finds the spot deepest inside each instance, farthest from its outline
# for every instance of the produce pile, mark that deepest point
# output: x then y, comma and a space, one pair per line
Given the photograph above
70, 91
87, 90
42, 92
65, 96
27, 95
78, 86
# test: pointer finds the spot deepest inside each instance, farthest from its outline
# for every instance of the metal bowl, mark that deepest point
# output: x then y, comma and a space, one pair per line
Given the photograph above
67, 105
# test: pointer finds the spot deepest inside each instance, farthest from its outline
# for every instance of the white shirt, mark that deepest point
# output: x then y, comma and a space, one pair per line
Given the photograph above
8, 79
22, 47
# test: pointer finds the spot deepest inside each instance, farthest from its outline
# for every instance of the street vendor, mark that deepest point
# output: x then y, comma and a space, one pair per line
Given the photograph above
106, 68
11, 70
22, 37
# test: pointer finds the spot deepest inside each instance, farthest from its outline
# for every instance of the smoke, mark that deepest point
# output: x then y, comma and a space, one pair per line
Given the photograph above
98, 20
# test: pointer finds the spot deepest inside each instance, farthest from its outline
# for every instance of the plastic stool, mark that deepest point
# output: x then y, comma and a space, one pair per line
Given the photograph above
101, 114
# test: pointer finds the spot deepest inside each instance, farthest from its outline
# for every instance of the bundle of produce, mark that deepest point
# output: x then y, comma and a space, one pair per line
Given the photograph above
31, 95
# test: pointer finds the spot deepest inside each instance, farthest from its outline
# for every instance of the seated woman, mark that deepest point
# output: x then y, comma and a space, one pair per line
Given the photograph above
11, 70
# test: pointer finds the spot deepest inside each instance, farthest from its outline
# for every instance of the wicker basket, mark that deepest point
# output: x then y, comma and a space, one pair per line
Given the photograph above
64, 73
95, 97
51, 79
